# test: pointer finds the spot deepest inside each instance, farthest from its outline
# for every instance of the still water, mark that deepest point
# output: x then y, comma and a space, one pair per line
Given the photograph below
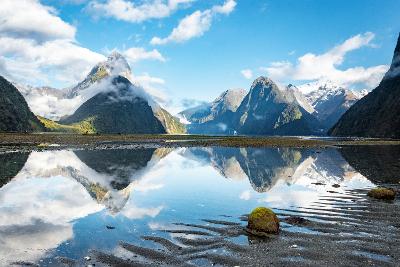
67, 203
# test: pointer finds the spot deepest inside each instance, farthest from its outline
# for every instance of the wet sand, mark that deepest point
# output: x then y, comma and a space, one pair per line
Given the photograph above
340, 229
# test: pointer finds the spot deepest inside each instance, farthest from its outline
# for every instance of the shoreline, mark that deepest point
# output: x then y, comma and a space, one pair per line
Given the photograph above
51, 141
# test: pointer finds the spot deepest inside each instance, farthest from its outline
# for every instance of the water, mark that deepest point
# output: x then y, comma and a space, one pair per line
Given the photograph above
67, 203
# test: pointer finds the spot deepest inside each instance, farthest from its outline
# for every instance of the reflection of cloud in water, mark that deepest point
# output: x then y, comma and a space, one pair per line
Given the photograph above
30, 242
133, 212
36, 215
245, 195
55, 188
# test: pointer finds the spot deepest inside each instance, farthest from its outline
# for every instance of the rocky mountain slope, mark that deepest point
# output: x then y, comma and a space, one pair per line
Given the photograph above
215, 117
15, 115
328, 101
121, 108
376, 114
268, 110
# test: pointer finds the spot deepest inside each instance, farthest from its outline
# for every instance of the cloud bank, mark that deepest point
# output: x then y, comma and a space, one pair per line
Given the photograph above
325, 66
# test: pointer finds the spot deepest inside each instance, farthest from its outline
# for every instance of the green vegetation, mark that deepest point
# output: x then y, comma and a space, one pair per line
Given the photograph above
170, 123
100, 74
82, 127
289, 114
263, 221
98, 191
382, 193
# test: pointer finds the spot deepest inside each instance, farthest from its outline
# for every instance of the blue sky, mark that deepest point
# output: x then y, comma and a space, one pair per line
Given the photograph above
208, 55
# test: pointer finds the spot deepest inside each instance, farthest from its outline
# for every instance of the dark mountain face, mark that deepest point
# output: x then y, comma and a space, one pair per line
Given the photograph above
120, 165
11, 164
215, 117
376, 114
269, 111
380, 164
15, 115
118, 110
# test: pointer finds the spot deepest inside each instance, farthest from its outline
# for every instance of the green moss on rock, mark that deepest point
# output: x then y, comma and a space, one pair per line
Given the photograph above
382, 193
263, 221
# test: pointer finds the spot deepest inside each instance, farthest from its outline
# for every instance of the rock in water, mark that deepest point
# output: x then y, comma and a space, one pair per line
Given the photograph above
382, 193
263, 221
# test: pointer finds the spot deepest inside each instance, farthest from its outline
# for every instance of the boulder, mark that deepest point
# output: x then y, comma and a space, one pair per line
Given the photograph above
263, 221
382, 193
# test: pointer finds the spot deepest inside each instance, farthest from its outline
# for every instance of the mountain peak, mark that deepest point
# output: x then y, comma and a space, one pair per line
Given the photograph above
263, 80
394, 70
116, 64
397, 49
115, 56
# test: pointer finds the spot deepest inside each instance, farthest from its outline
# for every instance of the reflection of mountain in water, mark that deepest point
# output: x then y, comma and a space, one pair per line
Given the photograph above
11, 164
377, 163
265, 166
107, 175
120, 165
55, 188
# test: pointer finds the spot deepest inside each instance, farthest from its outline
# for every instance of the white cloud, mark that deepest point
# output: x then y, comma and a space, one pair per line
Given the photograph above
135, 54
152, 86
29, 18
195, 24
226, 8
36, 45
247, 73
131, 12
31, 62
325, 66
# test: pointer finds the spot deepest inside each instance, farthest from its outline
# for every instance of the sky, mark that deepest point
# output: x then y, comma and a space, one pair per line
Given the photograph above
189, 51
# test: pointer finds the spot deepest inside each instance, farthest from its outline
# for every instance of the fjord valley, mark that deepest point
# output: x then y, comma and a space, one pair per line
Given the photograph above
109, 101
199, 133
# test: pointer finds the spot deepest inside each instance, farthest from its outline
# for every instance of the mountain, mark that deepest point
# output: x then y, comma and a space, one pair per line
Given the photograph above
11, 165
266, 168
106, 101
115, 64
215, 117
123, 108
376, 114
268, 110
326, 100
15, 115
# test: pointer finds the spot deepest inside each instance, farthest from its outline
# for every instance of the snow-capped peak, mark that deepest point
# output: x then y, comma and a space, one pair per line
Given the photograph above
318, 85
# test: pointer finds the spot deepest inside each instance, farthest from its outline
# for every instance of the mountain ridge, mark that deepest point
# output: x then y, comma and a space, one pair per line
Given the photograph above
15, 114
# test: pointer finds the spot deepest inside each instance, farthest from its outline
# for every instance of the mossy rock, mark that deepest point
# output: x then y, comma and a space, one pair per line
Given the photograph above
263, 221
382, 193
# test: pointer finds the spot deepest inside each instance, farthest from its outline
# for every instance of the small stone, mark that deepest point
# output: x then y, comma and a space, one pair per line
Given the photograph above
336, 185
296, 220
382, 193
263, 221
